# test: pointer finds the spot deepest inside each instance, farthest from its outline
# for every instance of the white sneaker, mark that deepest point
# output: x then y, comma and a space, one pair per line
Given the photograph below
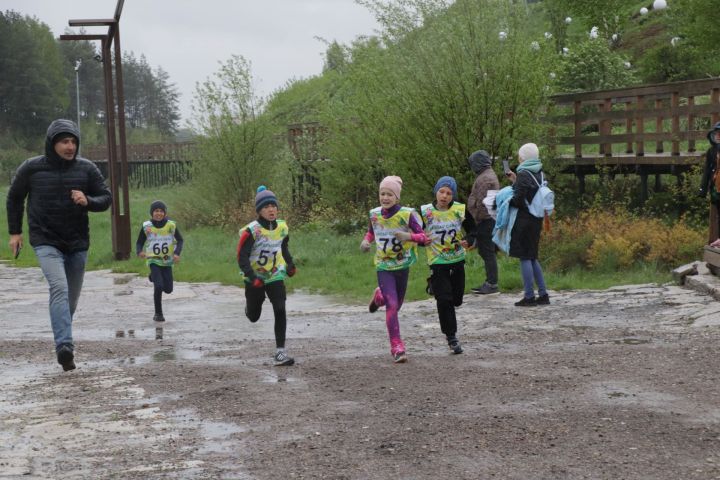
283, 359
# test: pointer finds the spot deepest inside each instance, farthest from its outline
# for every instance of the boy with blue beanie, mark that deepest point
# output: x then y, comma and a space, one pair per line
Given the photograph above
443, 221
265, 261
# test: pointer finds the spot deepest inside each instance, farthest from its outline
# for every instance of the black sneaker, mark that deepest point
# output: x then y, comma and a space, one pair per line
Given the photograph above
454, 345
485, 289
543, 299
66, 358
282, 359
526, 302
400, 357
158, 317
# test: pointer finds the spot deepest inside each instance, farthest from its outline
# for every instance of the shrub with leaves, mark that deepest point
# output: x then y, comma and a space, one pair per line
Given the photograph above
608, 240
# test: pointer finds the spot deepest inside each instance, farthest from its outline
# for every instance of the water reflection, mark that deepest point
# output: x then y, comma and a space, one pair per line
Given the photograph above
158, 333
164, 355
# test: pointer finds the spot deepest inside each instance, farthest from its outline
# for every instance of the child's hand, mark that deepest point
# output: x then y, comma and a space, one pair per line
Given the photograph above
257, 283
365, 246
403, 236
176, 258
142, 254
292, 271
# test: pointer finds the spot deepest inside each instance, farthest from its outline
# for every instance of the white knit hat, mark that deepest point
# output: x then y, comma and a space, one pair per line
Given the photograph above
529, 151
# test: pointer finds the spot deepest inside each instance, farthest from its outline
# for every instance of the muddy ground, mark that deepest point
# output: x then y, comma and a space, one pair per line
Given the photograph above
616, 384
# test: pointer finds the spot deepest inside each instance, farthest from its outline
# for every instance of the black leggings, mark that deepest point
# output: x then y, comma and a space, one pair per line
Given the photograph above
448, 284
254, 298
162, 278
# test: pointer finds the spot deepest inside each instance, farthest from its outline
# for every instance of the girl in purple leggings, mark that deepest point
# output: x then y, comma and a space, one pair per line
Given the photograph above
395, 230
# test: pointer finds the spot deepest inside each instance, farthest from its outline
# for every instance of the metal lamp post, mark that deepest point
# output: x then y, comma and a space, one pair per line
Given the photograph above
78, 62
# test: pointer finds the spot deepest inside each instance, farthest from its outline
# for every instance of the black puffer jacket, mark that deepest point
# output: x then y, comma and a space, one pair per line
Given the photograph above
53, 218
710, 162
525, 236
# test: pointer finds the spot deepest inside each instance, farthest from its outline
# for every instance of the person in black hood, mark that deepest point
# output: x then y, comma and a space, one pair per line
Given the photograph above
481, 165
61, 188
711, 180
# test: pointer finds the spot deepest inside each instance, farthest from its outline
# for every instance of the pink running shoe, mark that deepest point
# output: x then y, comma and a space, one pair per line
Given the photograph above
377, 301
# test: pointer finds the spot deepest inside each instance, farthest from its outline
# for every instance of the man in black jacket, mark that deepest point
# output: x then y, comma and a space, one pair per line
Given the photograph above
710, 182
61, 188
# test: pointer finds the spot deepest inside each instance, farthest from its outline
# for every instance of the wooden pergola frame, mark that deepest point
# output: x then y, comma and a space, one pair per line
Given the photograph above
114, 99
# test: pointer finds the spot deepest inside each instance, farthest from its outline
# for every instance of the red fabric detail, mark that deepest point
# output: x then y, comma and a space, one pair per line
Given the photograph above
243, 236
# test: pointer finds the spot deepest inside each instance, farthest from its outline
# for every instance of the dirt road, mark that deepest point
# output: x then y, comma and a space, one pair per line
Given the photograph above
622, 383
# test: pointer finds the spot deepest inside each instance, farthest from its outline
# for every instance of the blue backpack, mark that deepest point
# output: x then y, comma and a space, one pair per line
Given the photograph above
543, 203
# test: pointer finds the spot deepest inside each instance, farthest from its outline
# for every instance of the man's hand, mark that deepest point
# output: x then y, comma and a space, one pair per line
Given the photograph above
16, 243
142, 254
79, 198
257, 283
176, 258
292, 271
364, 246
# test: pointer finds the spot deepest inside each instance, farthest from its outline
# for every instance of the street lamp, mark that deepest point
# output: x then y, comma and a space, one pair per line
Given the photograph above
78, 62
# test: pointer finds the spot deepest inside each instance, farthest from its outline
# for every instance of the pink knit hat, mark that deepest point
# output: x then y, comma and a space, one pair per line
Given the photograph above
392, 183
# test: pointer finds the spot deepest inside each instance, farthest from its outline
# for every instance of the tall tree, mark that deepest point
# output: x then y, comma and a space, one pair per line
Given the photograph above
33, 90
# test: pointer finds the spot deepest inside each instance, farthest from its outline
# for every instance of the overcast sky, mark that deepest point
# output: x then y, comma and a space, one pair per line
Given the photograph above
187, 38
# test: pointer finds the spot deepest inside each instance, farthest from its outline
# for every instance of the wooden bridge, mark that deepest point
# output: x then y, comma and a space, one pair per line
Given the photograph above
647, 130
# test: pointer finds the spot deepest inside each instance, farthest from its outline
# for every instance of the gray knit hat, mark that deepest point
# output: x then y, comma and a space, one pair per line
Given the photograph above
264, 197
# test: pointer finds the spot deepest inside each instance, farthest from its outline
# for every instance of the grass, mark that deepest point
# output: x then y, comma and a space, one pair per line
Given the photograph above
327, 262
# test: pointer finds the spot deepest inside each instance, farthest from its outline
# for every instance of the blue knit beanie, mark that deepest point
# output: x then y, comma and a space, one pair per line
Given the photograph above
264, 197
446, 182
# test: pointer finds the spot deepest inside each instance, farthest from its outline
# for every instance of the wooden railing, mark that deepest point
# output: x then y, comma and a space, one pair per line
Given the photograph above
644, 130
163, 152
150, 164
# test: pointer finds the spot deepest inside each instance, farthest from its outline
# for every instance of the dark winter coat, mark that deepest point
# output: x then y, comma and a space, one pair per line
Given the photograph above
710, 162
525, 235
53, 218
481, 165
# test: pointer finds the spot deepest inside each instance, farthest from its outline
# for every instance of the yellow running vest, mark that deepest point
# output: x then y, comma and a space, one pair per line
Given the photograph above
266, 258
390, 253
159, 244
445, 230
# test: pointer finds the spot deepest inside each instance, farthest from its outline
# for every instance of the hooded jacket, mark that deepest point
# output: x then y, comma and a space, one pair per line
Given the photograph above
481, 165
710, 161
47, 180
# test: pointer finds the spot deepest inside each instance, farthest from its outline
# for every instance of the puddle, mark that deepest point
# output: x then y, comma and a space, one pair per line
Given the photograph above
279, 377
121, 333
216, 435
631, 341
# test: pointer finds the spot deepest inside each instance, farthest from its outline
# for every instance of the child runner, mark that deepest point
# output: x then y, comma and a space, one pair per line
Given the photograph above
265, 261
395, 231
158, 237
444, 220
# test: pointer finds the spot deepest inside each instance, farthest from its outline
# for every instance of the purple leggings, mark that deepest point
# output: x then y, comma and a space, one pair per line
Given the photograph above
393, 286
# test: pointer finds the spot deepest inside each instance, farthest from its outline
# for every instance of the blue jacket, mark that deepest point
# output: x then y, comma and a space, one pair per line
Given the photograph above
505, 221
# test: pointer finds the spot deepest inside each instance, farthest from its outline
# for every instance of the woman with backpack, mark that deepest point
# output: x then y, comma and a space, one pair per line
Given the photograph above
525, 234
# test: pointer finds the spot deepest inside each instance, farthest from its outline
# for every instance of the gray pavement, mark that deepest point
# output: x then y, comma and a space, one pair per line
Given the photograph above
126, 412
